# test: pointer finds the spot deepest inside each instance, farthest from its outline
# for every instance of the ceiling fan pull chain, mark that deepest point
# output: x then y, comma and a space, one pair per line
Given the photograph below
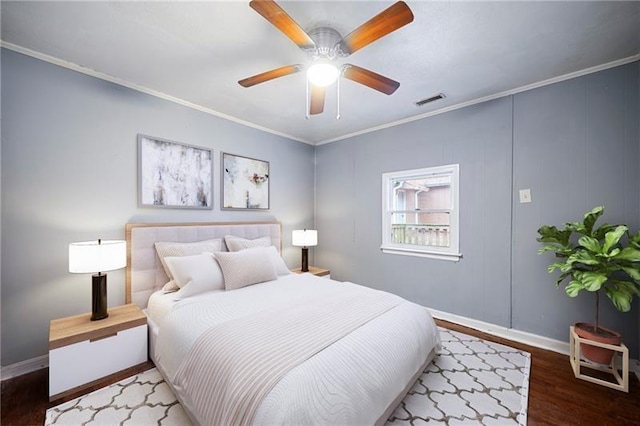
307, 104
338, 98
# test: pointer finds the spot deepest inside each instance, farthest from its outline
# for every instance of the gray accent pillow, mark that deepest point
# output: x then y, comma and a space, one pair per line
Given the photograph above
236, 243
245, 267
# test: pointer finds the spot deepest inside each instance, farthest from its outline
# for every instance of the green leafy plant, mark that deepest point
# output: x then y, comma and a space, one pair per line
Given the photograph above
595, 258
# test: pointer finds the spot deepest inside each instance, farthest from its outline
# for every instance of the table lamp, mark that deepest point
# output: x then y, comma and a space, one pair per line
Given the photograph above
96, 257
305, 238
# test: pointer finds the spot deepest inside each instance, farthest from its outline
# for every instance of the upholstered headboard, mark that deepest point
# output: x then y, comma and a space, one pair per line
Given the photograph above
144, 273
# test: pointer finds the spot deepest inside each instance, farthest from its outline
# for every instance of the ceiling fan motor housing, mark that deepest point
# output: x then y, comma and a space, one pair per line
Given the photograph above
327, 42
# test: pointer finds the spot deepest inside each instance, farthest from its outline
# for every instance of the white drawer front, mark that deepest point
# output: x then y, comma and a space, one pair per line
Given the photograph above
83, 362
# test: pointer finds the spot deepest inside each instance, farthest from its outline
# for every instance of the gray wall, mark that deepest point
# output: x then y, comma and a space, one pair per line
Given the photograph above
348, 212
575, 144
576, 147
69, 164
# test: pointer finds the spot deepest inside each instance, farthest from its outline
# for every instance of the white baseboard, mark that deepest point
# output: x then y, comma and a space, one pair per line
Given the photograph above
634, 365
24, 367
517, 335
34, 364
506, 333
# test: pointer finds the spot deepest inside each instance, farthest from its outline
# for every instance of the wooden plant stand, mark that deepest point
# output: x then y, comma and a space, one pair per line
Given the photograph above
622, 383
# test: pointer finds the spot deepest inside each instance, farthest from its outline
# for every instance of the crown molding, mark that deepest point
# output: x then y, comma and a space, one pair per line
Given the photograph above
142, 89
148, 91
511, 92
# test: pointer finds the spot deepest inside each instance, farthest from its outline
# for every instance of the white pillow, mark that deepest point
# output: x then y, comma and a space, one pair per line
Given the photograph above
237, 243
195, 274
246, 267
171, 248
276, 260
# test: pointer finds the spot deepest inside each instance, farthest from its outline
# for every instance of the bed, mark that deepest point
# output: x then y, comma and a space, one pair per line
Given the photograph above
287, 349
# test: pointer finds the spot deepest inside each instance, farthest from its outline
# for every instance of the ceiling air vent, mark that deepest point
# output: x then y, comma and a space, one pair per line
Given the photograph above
431, 99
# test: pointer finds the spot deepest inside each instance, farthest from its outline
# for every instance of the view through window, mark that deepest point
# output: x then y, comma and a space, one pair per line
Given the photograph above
421, 212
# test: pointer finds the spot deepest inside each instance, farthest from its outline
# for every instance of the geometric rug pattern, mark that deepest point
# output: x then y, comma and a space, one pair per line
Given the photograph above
471, 382
144, 399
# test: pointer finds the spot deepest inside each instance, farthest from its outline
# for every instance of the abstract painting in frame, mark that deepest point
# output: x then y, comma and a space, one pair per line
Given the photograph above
245, 183
174, 175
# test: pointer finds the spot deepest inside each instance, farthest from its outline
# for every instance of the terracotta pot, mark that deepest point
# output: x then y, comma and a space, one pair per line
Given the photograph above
604, 335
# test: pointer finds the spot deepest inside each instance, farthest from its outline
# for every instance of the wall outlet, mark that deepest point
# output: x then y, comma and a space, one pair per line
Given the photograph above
525, 195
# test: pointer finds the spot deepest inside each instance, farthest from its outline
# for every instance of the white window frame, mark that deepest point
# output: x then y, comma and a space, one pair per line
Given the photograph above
451, 253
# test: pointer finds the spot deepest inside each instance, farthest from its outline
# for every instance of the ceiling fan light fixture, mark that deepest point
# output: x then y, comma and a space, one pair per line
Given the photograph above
324, 44
322, 74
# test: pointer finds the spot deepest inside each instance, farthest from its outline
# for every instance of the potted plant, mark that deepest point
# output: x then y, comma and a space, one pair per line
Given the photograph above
595, 259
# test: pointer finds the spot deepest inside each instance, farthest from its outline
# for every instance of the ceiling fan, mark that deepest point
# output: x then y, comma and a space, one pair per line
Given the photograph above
325, 45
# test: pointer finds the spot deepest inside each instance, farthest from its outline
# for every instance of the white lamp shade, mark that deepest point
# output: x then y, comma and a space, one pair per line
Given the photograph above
97, 256
304, 238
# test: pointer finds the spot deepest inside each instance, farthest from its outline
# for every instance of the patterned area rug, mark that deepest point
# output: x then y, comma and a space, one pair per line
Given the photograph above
471, 382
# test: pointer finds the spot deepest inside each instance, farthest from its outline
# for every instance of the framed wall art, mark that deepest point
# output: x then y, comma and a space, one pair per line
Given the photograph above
174, 175
245, 183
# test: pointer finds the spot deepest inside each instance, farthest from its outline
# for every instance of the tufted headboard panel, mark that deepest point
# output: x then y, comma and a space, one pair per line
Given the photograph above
144, 273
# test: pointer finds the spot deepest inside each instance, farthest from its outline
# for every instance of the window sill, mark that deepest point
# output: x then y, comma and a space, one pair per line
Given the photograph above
451, 257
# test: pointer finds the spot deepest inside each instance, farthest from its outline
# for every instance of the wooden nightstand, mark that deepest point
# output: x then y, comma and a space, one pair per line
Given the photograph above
320, 272
82, 351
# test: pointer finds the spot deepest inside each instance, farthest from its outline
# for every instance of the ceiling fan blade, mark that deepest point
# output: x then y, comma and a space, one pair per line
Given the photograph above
370, 79
316, 105
387, 21
269, 75
282, 21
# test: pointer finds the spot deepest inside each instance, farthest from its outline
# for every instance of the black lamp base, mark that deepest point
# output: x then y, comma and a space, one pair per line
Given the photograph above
305, 259
99, 297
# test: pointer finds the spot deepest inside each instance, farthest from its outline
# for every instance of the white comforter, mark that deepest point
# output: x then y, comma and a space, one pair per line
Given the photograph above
352, 382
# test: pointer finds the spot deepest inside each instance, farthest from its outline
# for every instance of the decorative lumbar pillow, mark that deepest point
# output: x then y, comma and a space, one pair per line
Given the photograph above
236, 243
195, 274
246, 267
174, 249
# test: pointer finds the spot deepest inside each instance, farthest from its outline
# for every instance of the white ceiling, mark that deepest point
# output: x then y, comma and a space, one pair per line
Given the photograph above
196, 52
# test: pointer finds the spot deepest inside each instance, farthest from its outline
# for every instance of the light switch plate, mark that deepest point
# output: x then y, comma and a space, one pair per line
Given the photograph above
525, 195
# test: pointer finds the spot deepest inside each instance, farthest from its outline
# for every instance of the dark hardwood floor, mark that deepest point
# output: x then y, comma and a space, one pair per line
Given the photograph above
25, 399
555, 396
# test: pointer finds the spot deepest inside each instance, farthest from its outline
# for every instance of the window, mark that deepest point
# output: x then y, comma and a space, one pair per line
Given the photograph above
420, 212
